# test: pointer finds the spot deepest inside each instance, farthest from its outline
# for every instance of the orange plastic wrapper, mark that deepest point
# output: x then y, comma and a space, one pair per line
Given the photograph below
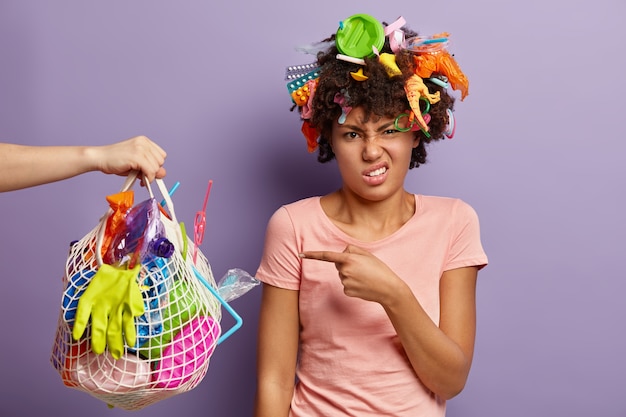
443, 63
120, 203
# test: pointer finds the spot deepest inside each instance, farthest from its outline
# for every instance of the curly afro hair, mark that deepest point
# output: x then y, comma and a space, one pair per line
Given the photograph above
379, 95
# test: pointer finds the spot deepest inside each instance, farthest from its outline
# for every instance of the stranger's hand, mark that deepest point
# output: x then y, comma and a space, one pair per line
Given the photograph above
138, 153
362, 274
113, 300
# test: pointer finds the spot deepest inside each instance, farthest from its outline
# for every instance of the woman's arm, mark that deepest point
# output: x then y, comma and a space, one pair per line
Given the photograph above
279, 326
27, 166
440, 355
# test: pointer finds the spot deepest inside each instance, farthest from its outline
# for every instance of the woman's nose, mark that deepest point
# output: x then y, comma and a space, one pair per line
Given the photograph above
371, 149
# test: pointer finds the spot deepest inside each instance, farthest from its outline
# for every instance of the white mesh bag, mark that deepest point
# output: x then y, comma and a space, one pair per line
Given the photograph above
175, 335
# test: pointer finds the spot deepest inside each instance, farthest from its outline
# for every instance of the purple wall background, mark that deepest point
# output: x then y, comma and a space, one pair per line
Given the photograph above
538, 152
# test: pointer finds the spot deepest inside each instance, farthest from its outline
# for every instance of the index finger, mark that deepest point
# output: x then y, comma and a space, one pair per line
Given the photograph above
323, 255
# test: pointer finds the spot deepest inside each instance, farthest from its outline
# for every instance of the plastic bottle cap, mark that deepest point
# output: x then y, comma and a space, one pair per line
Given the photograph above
357, 34
162, 247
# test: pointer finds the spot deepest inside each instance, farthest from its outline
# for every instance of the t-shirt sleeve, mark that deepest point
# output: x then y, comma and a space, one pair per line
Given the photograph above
280, 263
465, 246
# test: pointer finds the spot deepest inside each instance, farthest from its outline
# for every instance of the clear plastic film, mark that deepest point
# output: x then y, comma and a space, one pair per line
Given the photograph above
235, 283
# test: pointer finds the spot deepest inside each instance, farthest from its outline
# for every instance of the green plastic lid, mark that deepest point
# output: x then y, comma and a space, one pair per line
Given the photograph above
357, 34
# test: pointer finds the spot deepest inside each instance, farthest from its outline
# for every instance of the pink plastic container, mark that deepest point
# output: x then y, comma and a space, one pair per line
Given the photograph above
190, 349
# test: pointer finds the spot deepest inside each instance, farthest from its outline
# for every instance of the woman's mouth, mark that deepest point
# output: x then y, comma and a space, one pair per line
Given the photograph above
376, 176
377, 172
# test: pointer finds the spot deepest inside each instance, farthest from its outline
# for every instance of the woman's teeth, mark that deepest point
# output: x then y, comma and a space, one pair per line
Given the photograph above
379, 171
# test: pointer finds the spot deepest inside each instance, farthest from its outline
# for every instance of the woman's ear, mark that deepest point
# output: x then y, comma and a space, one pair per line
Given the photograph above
416, 140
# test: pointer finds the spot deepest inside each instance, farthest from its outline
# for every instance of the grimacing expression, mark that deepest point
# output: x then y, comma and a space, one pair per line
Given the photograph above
372, 155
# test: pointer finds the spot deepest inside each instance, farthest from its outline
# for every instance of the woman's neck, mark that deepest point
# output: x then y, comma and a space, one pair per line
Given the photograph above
368, 220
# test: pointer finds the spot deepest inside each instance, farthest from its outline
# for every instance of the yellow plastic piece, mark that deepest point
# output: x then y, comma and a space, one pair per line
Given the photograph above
359, 76
389, 62
113, 300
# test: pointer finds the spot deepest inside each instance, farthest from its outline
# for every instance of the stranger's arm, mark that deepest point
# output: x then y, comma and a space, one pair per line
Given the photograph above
27, 166
440, 355
279, 324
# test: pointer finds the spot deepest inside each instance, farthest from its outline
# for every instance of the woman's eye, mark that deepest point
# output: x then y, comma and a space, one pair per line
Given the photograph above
391, 131
351, 135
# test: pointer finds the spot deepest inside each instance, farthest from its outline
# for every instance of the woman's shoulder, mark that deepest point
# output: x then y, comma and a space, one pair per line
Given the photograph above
295, 215
443, 204
303, 204
305, 207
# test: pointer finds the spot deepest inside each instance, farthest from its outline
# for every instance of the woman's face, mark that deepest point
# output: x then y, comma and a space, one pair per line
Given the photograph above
373, 156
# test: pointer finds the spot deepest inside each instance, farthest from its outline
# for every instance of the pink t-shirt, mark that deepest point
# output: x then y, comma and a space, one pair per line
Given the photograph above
351, 361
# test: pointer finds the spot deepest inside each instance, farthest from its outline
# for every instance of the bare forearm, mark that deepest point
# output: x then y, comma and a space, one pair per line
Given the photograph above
277, 351
438, 361
272, 400
27, 166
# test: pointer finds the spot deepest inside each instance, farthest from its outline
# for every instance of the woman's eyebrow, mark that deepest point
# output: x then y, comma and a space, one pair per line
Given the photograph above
358, 127
386, 126
352, 127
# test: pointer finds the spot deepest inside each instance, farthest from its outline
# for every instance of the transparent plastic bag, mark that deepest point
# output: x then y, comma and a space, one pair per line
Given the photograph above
235, 283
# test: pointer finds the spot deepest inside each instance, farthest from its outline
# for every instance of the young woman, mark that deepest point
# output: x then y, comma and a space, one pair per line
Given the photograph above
368, 305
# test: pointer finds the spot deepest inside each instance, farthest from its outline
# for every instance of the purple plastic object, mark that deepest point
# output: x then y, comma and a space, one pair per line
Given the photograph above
143, 235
